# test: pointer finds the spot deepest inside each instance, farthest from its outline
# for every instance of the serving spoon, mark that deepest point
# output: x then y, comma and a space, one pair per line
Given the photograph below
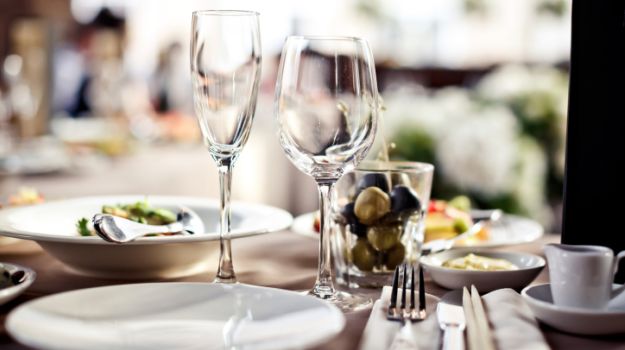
119, 230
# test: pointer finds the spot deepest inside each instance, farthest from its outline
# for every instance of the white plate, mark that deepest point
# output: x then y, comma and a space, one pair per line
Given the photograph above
512, 230
175, 316
9, 293
52, 226
570, 319
39, 156
485, 281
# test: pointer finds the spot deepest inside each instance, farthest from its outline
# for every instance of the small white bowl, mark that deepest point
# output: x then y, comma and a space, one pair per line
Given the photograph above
485, 281
571, 319
9, 293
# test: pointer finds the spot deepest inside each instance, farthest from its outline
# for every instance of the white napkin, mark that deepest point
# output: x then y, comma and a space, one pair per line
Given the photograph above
512, 324
379, 332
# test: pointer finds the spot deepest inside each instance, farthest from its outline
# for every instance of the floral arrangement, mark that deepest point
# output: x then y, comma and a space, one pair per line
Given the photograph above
501, 142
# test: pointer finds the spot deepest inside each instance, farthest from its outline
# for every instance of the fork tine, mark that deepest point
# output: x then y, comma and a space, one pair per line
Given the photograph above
412, 303
403, 289
394, 290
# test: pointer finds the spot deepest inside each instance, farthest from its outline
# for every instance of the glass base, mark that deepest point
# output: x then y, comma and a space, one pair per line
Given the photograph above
346, 302
225, 280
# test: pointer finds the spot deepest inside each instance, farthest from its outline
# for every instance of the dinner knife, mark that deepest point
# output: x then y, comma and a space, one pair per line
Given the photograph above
451, 320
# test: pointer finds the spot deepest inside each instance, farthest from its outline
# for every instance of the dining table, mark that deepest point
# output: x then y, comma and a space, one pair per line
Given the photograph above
284, 259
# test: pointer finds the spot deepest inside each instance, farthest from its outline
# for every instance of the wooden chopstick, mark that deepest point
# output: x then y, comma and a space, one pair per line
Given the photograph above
473, 334
485, 334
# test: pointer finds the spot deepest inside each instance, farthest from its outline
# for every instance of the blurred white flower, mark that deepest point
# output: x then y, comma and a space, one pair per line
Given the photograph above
529, 184
479, 152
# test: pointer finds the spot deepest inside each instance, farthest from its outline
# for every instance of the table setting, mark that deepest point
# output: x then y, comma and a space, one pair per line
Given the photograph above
380, 265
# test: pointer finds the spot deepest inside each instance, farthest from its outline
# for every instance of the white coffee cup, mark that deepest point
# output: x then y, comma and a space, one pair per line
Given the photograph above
582, 275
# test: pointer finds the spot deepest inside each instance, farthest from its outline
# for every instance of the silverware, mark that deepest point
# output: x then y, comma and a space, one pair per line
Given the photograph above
451, 320
481, 320
119, 230
405, 339
403, 312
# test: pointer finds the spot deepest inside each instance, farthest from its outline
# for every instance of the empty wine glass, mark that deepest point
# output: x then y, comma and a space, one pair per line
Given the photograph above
225, 69
327, 107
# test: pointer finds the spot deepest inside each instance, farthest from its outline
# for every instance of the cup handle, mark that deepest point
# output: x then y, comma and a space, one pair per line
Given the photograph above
619, 256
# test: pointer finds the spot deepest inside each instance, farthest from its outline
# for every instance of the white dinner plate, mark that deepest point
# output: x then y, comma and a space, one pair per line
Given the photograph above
53, 226
175, 316
510, 230
571, 319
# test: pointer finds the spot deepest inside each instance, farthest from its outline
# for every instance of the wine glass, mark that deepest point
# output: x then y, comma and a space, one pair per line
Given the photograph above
225, 69
327, 107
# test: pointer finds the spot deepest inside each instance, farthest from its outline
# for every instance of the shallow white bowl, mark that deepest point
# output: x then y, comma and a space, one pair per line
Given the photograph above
571, 319
175, 316
52, 226
9, 293
485, 281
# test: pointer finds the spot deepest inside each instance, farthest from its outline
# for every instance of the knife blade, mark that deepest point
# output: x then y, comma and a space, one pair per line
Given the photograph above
451, 320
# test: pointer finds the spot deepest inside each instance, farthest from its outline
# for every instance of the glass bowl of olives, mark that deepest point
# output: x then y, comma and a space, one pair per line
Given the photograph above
378, 217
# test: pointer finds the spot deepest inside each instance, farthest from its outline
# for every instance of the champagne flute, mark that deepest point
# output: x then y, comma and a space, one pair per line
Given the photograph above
225, 69
327, 107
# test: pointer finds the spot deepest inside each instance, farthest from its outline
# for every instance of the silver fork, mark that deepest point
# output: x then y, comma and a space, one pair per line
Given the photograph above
402, 312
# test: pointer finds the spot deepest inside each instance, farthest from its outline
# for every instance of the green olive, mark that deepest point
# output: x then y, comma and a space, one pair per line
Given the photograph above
395, 256
371, 204
384, 237
363, 255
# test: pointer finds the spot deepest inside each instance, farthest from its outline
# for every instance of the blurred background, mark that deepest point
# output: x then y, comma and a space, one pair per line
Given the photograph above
95, 98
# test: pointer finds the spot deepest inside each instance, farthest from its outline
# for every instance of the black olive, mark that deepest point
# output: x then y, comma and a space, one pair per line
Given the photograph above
348, 213
358, 229
403, 199
373, 180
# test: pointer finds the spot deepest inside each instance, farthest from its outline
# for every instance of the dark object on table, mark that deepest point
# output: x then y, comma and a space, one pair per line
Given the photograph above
595, 151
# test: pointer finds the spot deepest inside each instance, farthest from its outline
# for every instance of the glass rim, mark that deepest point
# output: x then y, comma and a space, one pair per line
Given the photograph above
326, 37
198, 13
395, 166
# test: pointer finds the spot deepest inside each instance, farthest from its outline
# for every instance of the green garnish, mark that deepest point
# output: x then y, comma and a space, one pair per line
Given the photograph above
82, 228
140, 211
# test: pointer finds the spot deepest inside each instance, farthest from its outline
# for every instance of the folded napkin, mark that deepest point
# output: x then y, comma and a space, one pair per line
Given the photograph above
512, 325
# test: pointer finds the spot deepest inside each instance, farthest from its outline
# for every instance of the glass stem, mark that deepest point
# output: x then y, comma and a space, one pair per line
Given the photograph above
324, 288
225, 273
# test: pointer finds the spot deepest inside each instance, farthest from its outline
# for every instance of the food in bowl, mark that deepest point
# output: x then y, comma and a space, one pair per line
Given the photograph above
481, 263
528, 267
448, 219
141, 212
25, 196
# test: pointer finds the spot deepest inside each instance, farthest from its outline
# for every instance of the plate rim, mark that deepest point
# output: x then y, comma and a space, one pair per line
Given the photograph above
283, 221
339, 316
299, 220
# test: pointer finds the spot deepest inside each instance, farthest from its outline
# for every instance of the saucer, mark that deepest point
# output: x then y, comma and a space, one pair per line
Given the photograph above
571, 319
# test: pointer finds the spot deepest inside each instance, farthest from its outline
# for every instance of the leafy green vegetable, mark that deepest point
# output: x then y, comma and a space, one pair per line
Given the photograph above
140, 211
82, 228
